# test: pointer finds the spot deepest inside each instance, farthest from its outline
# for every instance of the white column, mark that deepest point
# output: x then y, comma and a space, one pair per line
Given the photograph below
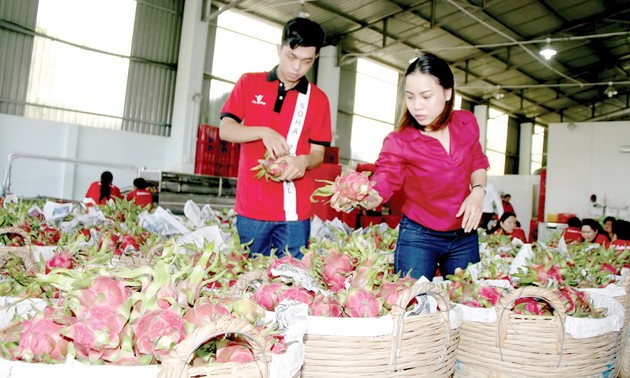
525, 149
180, 155
328, 73
481, 113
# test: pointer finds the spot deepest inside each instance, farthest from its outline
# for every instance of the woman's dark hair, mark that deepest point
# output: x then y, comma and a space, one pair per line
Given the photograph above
621, 228
106, 179
140, 183
503, 218
574, 222
430, 64
303, 32
610, 219
594, 224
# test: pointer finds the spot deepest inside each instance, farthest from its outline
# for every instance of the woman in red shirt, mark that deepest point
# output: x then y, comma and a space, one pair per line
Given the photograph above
508, 225
435, 157
592, 232
103, 190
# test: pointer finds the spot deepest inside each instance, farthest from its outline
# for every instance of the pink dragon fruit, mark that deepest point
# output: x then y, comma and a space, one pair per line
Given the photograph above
204, 312
336, 268
105, 290
360, 303
60, 260
348, 191
267, 294
41, 340
233, 351
97, 327
390, 291
325, 306
489, 295
270, 169
297, 294
157, 332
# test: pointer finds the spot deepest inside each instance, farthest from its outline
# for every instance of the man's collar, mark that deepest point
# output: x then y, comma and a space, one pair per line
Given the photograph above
302, 85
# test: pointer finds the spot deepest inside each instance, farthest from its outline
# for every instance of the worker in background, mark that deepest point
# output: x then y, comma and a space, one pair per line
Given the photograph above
508, 225
608, 225
621, 234
492, 207
283, 115
593, 232
573, 233
102, 191
141, 195
507, 206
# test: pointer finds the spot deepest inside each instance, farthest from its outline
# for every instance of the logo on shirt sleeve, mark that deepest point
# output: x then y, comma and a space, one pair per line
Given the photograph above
258, 100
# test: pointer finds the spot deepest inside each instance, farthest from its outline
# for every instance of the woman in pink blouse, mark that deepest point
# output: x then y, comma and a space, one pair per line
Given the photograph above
435, 156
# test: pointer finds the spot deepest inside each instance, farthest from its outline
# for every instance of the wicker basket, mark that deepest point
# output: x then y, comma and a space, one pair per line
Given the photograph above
24, 253
534, 346
420, 345
177, 364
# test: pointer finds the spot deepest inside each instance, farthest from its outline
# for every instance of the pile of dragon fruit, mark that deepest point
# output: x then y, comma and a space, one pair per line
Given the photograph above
114, 288
117, 286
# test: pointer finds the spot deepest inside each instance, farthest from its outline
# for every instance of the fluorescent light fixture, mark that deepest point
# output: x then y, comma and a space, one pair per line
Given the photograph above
610, 91
548, 51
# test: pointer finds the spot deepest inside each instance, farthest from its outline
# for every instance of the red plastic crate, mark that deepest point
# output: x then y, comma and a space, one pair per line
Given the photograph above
331, 155
202, 168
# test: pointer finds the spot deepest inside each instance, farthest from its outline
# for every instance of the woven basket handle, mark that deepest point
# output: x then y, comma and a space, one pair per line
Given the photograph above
176, 365
245, 279
398, 313
23, 253
507, 304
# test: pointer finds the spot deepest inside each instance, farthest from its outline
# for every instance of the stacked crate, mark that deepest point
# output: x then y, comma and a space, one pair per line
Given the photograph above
215, 157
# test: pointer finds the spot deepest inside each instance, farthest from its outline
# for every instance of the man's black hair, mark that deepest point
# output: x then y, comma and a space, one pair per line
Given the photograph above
303, 32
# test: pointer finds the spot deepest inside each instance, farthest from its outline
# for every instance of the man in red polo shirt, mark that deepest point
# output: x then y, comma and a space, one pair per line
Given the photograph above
279, 112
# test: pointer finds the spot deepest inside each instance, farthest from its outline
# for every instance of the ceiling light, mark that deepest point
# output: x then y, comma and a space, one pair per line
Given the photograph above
610, 91
548, 51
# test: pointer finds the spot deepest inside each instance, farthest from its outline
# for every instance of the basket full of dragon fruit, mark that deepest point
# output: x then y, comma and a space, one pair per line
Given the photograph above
525, 320
364, 320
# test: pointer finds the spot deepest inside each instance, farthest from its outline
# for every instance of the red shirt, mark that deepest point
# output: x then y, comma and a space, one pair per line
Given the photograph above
94, 192
621, 245
601, 239
507, 207
518, 233
434, 182
141, 197
571, 234
258, 100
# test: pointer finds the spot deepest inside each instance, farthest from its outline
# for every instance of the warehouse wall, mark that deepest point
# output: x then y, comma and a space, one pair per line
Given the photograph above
585, 159
35, 177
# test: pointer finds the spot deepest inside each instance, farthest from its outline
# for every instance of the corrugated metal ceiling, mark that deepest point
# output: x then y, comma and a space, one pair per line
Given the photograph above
492, 46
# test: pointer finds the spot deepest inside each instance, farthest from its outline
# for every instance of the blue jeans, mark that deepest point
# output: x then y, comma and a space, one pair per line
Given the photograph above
267, 235
420, 249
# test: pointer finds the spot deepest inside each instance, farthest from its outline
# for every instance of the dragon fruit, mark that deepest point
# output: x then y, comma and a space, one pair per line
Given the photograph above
347, 192
41, 340
270, 169
325, 306
233, 351
361, 303
157, 332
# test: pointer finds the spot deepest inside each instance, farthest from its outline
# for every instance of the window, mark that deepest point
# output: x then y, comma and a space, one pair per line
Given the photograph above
73, 84
374, 109
538, 142
256, 52
496, 140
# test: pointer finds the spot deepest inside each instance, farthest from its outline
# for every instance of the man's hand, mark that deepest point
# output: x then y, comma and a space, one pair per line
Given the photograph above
275, 143
296, 167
